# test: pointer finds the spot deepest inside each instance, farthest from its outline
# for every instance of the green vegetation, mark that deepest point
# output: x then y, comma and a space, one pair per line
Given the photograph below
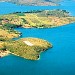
19, 13
6, 35
25, 50
3, 48
9, 26
29, 52
2, 39
37, 19
57, 13
29, 48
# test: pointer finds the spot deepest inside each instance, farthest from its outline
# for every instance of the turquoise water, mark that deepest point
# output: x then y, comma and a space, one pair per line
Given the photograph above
68, 3
6, 8
59, 60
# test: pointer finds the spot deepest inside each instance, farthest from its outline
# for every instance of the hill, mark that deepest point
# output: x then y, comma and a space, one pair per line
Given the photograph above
36, 19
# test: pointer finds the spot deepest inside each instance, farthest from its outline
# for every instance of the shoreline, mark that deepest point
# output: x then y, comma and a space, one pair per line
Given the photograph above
4, 53
47, 27
24, 57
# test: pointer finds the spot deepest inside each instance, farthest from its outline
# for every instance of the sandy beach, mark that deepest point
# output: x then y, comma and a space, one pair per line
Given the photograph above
4, 53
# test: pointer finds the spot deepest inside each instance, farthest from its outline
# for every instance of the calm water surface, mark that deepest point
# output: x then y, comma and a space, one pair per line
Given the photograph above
59, 60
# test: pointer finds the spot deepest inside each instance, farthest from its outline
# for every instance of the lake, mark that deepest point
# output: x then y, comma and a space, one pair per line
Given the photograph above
59, 60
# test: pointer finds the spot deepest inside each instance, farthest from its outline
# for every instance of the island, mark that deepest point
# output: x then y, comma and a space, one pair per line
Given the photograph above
34, 2
29, 48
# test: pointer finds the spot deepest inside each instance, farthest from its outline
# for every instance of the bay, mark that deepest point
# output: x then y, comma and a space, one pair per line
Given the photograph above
59, 60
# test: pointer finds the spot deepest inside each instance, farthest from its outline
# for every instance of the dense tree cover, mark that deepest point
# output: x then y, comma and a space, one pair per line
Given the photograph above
9, 26
34, 11
19, 13
57, 13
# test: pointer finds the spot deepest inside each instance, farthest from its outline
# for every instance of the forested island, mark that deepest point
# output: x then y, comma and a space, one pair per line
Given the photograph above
29, 48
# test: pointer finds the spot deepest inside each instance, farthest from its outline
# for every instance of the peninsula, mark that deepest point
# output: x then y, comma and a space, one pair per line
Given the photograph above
29, 48
37, 19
